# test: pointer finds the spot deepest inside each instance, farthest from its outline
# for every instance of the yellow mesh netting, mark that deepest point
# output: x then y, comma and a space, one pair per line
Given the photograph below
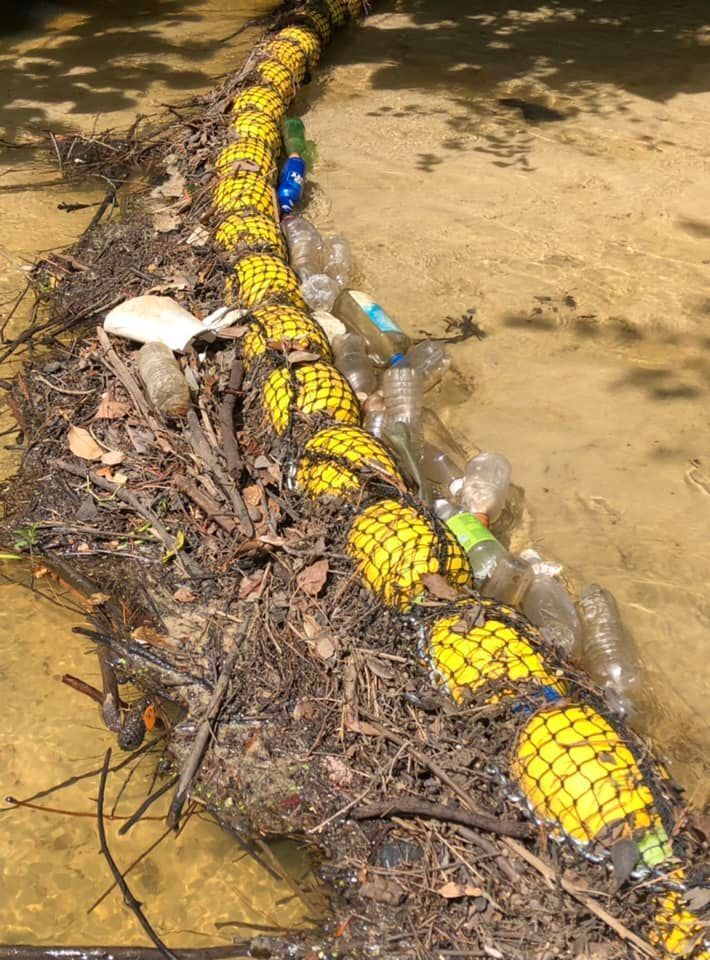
283, 327
394, 545
255, 231
307, 39
290, 55
320, 23
245, 191
581, 779
260, 277
339, 460
311, 388
473, 647
278, 76
676, 929
258, 126
338, 11
246, 154
263, 99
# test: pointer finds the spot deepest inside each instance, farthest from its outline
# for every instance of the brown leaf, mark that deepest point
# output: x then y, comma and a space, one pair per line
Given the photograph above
110, 409
112, 458
439, 587
184, 595
339, 773
252, 495
452, 891
311, 579
251, 587
325, 646
83, 445
304, 710
164, 221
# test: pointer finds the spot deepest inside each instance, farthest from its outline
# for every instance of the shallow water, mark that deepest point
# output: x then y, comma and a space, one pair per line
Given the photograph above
583, 245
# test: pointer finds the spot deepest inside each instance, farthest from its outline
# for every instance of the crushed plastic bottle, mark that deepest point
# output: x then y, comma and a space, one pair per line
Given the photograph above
319, 291
429, 358
608, 652
305, 246
352, 360
164, 382
485, 485
547, 605
362, 315
509, 580
337, 260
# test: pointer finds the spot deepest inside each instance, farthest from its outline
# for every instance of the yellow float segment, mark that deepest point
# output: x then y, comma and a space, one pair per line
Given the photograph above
394, 545
490, 651
337, 461
278, 76
244, 191
578, 776
264, 99
307, 39
256, 232
286, 328
311, 388
677, 930
244, 156
260, 277
257, 126
290, 55
337, 11
319, 22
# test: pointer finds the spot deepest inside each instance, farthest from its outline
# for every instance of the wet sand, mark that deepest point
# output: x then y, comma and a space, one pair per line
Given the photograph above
575, 219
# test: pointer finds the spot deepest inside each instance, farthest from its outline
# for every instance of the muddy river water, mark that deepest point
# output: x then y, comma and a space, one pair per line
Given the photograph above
545, 164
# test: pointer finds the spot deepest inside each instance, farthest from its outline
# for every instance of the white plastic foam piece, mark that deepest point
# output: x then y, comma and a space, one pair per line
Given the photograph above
153, 319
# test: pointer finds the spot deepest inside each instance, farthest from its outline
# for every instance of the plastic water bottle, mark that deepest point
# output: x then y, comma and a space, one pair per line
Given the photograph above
375, 422
485, 485
320, 291
291, 180
304, 246
402, 392
293, 133
430, 359
608, 652
482, 548
164, 382
547, 605
509, 580
353, 362
362, 315
337, 260
440, 469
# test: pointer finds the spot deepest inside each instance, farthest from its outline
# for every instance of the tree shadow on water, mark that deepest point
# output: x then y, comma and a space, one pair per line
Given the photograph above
99, 64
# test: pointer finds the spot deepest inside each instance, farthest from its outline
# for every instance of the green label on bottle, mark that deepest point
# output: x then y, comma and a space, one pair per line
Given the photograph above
468, 530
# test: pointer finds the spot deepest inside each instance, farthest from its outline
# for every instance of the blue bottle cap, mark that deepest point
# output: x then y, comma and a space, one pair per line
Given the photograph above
397, 358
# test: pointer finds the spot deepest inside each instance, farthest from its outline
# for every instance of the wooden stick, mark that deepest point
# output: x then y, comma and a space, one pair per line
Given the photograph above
128, 897
207, 505
235, 464
412, 807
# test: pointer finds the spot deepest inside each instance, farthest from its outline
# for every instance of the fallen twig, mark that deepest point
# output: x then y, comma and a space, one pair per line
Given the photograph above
207, 505
406, 807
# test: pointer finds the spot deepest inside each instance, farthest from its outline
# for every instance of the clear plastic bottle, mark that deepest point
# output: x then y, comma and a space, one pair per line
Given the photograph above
164, 382
319, 291
402, 392
485, 485
362, 315
375, 422
482, 548
337, 260
547, 604
352, 359
440, 469
305, 246
430, 359
608, 652
438, 435
509, 581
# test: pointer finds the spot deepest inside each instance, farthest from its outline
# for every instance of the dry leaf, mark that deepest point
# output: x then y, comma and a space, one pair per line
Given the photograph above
83, 445
252, 495
184, 595
302, 356
311, 579
251, 587
339, 773
110, 409
112, 458
262, 462
311, 627
325, 647
164, 221
174, 186
439, 587
452, 891
304, 710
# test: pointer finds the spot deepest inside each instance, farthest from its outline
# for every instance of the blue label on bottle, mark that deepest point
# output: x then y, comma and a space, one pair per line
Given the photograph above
382, 321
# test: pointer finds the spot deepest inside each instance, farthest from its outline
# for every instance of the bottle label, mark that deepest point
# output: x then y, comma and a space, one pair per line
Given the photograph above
468, 530
377, 315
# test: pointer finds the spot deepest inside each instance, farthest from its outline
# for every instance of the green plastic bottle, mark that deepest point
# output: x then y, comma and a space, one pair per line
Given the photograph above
294, 136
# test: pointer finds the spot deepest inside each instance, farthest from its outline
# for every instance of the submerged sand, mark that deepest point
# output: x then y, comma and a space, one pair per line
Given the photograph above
575, 219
